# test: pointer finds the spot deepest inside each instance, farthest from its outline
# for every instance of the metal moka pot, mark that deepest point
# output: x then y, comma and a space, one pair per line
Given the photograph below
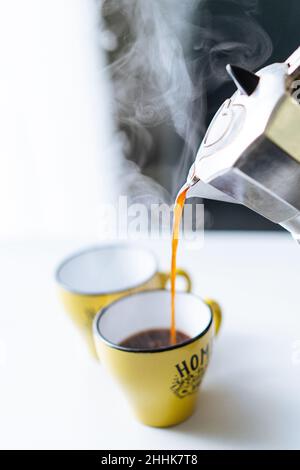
251, 152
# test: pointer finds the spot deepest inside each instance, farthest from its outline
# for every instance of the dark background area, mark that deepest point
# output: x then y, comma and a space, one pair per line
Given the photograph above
280, 19
168, 160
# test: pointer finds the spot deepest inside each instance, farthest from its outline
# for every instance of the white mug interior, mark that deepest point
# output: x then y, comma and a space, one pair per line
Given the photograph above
151, 310
106, 269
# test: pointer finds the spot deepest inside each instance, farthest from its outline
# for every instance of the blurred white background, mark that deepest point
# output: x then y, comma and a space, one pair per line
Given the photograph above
56, 133
58, 156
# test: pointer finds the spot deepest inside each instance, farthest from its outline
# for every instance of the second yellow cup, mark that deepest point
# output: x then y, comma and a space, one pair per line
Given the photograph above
93, 278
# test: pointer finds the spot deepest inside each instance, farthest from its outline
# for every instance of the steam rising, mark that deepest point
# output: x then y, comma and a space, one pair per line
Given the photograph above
165, 57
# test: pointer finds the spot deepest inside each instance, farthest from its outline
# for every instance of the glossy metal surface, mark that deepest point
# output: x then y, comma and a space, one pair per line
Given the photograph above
250, 154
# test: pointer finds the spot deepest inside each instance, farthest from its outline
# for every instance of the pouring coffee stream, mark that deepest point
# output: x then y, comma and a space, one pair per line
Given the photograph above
178, 208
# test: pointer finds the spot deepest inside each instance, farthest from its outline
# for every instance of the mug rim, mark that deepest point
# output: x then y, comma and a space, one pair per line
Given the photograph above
101, 312
96, 248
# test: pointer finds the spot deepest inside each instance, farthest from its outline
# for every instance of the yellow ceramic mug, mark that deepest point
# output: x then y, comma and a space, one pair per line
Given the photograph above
93, 278
160, 384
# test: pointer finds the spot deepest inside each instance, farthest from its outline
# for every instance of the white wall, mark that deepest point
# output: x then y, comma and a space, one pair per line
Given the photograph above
56, 133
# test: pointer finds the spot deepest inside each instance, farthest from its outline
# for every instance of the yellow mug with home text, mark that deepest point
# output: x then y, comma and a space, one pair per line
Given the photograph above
161, 384
93, 278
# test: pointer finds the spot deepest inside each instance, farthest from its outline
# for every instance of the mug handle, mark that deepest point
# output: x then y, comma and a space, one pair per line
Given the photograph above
217, 313
165, 278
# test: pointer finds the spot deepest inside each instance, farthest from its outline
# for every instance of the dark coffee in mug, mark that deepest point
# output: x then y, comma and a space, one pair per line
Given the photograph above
153, 339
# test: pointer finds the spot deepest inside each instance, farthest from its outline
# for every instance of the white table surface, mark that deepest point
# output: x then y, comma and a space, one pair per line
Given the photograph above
54, 395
